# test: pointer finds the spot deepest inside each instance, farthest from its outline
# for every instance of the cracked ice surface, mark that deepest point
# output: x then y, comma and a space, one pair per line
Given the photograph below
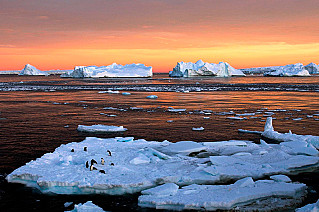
136, 165
214, 197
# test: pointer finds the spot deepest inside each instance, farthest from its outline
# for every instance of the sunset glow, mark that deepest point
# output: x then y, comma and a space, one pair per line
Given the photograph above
63, 34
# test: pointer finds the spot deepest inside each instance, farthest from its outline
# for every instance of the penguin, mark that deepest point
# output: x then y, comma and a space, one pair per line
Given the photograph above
110, 154
93, 161
85, 149
72, 150
92, 168
102, 171
87, 164
112, 164
102, 161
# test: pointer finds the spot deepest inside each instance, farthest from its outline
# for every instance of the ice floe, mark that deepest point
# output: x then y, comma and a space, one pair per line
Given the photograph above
100, 128
198, 128
65, 171
201, 68
114, 70
152, 97
235, 196
313, 141
314, 207
31, 70
89, 206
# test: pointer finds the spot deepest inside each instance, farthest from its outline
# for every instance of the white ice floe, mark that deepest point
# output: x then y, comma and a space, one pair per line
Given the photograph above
100, 128
236, 118
89, 206
31, 70
126, 93
198, 128
114, 70
288, 137
314, 207
134, 165
250, 131
152, 97
201, 68
242, 195
176, 110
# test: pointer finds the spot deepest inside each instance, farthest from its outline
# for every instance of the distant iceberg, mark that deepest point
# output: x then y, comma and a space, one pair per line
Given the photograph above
312, 68
31, 71
114, 70
201, 68
290, 70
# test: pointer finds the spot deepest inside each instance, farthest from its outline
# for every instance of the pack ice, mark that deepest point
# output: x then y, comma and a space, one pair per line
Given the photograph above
114, 70
31, 70
201, 68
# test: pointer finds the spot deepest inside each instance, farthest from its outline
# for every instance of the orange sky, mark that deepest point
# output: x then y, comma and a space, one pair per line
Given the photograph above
158, 33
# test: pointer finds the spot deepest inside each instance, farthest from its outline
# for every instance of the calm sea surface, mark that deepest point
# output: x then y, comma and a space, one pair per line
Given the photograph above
33, 123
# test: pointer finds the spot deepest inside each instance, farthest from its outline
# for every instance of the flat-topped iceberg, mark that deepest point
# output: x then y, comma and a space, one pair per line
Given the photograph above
31, 70
114, 70
245, 194
131, 166
201, 68
290, 70
99, 128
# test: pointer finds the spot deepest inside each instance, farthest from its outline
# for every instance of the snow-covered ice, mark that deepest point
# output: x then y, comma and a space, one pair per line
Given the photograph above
154, 163
114, 70
201, 68
313, 141
31, 70
314, 207
224, 197
89, 206
100, 128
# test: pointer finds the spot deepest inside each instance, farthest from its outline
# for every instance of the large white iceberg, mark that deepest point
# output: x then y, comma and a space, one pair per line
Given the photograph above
31, 70
240, 196
201, 68
290, 70
312, 68
114, 70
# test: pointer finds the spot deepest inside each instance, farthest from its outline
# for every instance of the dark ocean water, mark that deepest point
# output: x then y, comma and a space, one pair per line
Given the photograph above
36, 122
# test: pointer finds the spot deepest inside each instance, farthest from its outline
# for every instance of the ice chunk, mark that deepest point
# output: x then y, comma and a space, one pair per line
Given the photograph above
268, 125
237, 196
99, 128
167, 189
126, 93
314, 207
67, 204
286, 137
176, 110
235, 118
31, 70
152, 97
201, 68
198, 128
140, 159
87, 207
280, 178
114, 70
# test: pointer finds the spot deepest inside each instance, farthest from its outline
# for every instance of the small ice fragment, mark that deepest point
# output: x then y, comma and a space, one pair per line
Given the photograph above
169, 121
198, 128
167, 189
67, 204
280, 178
268, 125
126, 93
152, 97
101, 128
206, 117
